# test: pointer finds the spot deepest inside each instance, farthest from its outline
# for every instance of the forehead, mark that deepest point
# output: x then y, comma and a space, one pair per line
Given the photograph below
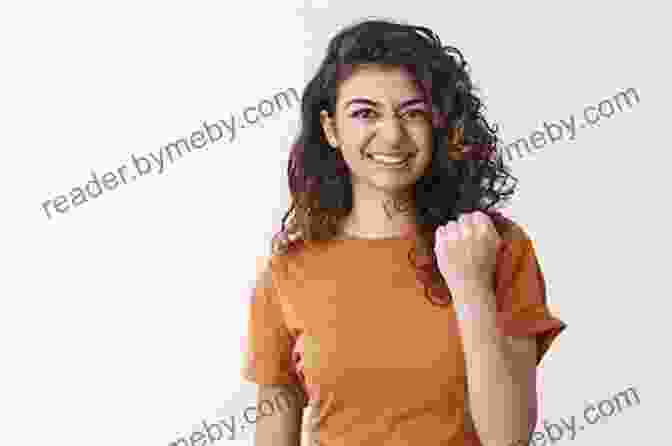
381, 83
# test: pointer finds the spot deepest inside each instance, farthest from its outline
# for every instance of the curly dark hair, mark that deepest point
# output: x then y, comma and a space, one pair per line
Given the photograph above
466, 173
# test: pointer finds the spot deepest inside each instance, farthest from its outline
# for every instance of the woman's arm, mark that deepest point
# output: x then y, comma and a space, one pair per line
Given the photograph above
499, 368
500, 374
283, 427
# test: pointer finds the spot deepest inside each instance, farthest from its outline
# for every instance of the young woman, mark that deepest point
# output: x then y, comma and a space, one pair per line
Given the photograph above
397, 302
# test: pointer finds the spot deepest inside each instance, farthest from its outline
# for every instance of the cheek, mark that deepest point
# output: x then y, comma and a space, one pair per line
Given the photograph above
354, 138
422, 137
357, 131
422, 141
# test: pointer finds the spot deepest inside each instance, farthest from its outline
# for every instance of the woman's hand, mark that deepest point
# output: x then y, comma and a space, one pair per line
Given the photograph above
466, 251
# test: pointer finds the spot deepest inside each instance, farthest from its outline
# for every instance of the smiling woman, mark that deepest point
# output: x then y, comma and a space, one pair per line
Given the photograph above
365, 315
396, 114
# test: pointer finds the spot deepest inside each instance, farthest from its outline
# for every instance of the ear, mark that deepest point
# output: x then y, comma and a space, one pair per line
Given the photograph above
329, 128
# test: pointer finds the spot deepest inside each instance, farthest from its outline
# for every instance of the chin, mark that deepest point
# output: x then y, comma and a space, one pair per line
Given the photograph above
393, 185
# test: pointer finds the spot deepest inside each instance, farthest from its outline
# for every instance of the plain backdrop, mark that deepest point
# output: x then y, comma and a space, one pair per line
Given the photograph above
122, 320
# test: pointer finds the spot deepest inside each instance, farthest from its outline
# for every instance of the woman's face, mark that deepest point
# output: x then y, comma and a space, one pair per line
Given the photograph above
383, 127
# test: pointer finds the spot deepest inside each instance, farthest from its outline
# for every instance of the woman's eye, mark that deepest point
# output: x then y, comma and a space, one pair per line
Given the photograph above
362, 113
415, 114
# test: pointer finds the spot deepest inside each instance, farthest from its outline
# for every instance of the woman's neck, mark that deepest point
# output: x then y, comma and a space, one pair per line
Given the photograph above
379, 217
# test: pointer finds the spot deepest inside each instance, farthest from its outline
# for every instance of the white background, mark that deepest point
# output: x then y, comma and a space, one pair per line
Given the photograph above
121, 320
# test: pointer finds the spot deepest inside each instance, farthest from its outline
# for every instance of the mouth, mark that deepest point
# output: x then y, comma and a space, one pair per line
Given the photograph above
397, 160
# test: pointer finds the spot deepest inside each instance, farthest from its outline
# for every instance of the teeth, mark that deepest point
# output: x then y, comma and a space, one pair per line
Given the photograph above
389, 159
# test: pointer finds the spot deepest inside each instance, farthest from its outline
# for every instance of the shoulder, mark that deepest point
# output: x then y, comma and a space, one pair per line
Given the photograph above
516, 240
509, 230
288, 253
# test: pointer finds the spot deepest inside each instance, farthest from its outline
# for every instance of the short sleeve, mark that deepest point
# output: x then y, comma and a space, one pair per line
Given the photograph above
269, 342
521, 293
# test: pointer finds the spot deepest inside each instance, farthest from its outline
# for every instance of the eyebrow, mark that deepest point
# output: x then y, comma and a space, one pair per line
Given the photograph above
365, 101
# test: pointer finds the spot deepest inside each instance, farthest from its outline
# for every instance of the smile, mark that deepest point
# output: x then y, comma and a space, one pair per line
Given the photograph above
390, 160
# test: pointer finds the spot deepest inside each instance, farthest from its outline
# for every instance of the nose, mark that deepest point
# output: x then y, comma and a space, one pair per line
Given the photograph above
391, 130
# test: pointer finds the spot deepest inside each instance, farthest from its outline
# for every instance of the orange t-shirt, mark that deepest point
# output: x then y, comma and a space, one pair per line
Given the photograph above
348, 320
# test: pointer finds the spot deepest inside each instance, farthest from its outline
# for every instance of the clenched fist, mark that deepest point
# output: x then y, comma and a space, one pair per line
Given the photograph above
466, 251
